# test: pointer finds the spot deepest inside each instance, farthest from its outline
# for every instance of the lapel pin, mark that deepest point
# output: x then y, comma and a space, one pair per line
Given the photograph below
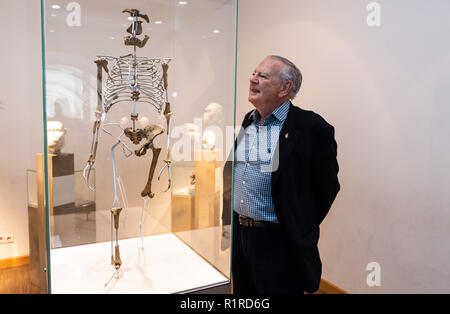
287, 135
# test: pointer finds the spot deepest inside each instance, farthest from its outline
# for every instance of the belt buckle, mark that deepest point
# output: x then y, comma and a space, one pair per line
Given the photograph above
246, 221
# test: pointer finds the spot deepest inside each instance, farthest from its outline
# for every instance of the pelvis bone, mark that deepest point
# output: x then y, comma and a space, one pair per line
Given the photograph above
135, 136
149, 132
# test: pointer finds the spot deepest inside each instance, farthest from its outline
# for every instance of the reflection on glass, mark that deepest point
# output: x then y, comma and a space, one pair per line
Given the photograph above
173, 241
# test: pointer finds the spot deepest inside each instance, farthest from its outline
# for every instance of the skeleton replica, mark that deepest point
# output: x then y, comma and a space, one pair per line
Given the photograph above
131, 79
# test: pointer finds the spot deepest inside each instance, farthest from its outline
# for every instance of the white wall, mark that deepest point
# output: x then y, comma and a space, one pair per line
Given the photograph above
386, 91
20, 116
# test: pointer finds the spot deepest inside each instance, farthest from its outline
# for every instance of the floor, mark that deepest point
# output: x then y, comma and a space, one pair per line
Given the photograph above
16, 280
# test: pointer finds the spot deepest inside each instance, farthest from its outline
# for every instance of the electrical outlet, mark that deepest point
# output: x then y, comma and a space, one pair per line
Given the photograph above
7, 238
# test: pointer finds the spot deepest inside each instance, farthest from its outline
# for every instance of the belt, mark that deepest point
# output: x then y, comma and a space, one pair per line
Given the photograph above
251, 223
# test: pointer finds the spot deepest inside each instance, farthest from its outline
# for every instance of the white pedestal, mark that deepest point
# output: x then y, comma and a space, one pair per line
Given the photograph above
166, 265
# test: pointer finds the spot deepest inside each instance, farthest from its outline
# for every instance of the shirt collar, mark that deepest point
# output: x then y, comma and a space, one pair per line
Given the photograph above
280, 113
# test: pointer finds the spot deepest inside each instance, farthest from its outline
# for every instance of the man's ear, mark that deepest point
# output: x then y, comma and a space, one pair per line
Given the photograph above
286, 89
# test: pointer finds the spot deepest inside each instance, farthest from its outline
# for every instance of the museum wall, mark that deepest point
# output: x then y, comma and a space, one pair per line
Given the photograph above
385, 90
20, 116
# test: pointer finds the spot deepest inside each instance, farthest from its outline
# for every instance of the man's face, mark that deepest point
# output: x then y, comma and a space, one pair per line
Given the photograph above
265, 84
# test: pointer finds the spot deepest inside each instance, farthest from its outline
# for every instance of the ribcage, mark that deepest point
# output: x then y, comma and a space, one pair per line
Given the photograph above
139, 80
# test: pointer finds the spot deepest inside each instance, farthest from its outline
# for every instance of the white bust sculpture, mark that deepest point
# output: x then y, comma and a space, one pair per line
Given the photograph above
209, 140
55, 136
212, 116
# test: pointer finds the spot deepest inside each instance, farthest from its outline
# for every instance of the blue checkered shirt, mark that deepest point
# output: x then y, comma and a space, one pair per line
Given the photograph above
253, 166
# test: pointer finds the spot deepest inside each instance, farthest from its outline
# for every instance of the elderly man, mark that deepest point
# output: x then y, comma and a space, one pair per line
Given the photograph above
285, 180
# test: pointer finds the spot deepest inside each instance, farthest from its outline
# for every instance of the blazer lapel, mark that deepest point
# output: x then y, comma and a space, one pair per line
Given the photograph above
286, 143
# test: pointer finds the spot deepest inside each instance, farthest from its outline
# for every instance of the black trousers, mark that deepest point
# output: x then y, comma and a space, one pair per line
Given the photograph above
262, 261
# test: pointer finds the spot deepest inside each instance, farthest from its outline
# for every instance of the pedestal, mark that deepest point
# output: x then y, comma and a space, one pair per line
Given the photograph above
182, 210
207, 194
59, 166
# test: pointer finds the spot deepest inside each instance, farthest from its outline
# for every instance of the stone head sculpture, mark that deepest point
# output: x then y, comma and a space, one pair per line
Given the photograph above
55, 136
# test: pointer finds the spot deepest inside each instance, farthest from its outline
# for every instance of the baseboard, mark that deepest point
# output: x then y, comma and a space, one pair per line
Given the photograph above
330, 288
15, 261
325, 286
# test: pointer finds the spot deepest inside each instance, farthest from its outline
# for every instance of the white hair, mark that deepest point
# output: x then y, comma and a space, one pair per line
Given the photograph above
290, 73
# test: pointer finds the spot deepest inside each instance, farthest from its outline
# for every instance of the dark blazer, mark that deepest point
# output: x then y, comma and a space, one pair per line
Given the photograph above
304, 185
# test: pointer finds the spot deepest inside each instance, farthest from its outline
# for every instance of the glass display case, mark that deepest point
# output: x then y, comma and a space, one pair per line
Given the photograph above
138, 98
72, 210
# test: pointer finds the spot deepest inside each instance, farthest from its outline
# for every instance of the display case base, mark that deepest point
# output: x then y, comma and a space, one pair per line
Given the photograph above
165, 265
